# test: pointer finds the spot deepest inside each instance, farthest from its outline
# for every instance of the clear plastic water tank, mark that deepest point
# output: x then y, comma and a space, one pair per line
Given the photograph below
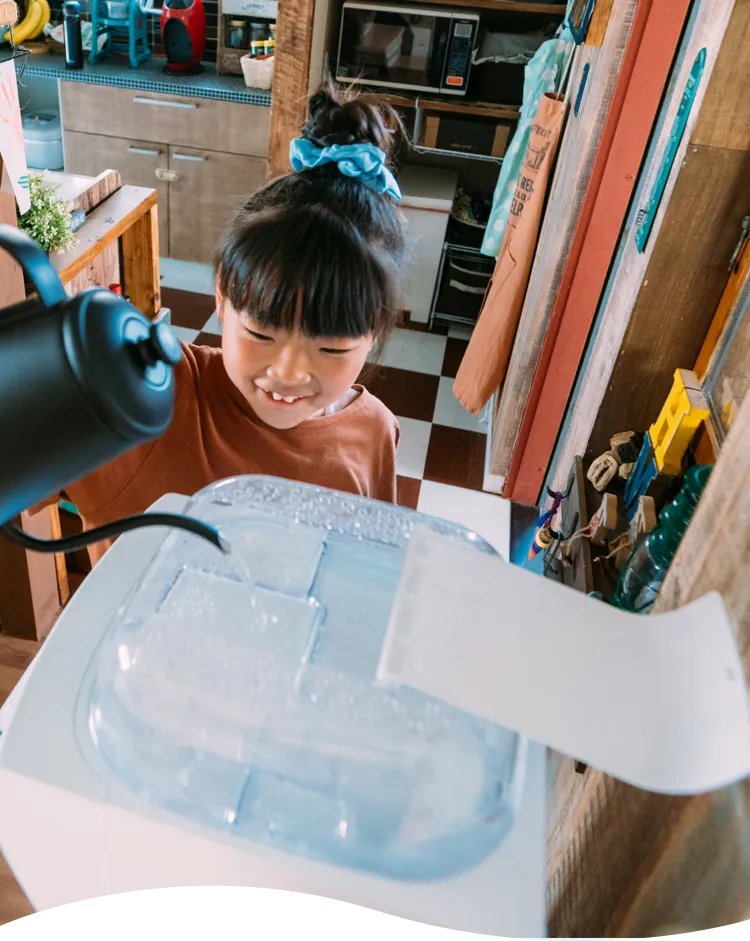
239, 692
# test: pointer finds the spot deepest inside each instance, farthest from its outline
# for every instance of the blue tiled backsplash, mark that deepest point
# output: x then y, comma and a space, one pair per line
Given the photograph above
154, 28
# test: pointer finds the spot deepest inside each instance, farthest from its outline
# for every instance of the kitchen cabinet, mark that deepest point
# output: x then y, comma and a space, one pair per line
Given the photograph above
204, 193
198, 188
135, 160
232, 127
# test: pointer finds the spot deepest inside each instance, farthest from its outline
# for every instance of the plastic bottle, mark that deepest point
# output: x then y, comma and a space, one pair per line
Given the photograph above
645, 570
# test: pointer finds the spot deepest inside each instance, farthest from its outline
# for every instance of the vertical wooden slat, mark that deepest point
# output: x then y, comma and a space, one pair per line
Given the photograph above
595, 74
706, 29
63, 586
294, 28
654, 38
599, 22
140, 263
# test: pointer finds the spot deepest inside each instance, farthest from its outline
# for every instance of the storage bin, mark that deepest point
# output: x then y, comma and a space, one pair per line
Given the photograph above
464, 280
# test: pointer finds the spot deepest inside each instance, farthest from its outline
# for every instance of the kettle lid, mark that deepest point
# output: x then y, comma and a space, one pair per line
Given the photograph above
123, 362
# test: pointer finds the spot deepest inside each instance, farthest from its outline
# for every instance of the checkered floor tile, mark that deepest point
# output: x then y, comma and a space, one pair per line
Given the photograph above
441, 443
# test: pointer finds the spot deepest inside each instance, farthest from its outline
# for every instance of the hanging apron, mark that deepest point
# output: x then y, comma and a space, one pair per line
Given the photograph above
486, 359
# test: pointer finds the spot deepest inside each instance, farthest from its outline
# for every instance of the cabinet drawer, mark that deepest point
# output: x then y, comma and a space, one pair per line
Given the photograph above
205, 197
167, 119
136, 161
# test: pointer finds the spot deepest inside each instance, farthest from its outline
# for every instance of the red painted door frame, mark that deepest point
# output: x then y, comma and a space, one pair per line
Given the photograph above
644, 73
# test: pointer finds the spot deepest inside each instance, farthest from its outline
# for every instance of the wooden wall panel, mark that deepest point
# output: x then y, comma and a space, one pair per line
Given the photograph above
681, 289
706, 28
724, 120
574, 164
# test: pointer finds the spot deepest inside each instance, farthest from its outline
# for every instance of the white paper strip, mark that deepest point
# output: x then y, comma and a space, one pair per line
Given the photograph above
658, 701
11, 137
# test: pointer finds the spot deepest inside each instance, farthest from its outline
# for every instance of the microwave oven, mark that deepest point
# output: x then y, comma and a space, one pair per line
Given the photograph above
417, 49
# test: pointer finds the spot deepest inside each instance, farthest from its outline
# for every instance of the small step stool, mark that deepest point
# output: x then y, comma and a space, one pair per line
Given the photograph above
125, 35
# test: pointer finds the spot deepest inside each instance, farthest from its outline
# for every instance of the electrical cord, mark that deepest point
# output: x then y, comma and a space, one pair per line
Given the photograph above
110, 530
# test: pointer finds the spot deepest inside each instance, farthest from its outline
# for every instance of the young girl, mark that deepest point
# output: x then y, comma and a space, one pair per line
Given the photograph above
306, 284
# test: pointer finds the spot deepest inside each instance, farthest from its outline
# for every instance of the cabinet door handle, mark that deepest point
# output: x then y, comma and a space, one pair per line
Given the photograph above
143, 152
157, 103
189, 157
170, 176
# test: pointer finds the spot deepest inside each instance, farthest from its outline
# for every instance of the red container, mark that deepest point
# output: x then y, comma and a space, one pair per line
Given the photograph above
183, 35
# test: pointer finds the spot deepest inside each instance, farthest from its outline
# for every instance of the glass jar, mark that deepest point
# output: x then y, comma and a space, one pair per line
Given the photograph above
258, 36
270, 43
238, 36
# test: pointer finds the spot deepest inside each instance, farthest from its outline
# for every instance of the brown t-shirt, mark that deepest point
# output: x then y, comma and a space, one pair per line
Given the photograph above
215, 434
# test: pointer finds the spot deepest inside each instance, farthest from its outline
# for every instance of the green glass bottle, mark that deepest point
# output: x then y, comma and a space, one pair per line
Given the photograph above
645, 570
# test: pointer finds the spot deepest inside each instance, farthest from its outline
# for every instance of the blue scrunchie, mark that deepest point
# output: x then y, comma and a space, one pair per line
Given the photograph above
364, 162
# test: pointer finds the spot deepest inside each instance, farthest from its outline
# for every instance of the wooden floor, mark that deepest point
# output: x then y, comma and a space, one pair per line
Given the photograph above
15, 656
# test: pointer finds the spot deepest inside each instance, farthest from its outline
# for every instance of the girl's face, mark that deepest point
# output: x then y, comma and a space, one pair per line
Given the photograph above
287, 376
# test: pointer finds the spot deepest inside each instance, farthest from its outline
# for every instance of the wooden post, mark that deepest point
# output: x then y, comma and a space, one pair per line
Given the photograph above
140, 263
294, 27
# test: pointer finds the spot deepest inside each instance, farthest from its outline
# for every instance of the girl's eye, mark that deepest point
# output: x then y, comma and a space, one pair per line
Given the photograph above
260, 336
333, 352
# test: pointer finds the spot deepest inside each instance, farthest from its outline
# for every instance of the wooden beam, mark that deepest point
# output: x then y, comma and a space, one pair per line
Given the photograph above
294, 28
140, 263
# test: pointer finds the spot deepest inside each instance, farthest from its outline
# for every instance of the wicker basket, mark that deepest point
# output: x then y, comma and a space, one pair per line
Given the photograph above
258, 72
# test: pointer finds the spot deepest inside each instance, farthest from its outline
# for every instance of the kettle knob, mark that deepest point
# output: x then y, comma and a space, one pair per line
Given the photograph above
160, 346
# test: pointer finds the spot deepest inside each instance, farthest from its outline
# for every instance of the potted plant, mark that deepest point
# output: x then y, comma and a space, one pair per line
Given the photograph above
48, 219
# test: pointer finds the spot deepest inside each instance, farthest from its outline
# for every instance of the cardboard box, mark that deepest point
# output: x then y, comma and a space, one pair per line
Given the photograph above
467, 135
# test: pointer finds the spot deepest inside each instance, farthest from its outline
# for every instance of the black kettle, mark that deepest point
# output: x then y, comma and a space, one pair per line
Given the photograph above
83, 379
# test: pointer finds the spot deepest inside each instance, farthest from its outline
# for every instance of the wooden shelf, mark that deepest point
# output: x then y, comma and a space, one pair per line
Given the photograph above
505, 6
455, 107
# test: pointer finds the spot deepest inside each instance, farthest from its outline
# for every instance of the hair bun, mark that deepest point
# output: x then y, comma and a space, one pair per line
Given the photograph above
336, 117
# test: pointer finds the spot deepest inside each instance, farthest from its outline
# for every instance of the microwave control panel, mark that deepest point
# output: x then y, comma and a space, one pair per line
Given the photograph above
459, 55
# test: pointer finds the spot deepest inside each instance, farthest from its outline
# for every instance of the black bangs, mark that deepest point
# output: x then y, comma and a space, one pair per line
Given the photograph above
305, 268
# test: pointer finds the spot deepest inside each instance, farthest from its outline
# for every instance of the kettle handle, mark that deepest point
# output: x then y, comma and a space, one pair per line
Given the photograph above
35, 264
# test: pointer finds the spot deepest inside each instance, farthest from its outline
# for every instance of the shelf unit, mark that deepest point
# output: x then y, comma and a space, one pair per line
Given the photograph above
503, 6
477, 108
440, 152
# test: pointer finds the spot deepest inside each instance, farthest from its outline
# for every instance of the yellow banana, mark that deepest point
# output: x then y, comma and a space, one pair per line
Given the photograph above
29, 23
44, 19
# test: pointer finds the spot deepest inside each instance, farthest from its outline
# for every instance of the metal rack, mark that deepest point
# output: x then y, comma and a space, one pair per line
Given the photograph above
420, 149
454, 251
